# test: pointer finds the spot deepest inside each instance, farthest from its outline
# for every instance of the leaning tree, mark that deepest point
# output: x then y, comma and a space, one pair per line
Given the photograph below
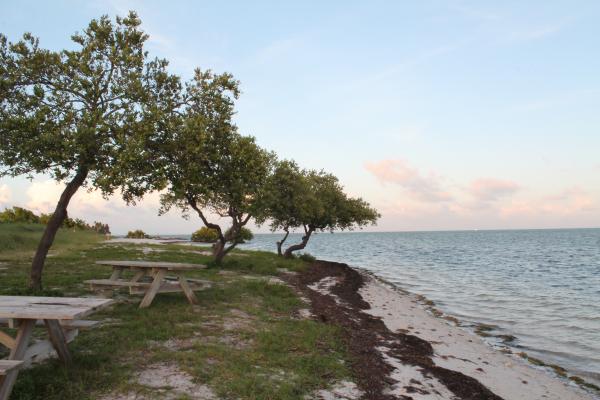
82, 116
209, 167
288, 199
314, 201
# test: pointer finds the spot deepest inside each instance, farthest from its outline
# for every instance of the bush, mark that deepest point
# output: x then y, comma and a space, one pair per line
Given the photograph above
18, 214
205, 235
307, 257
244, 235
137, 234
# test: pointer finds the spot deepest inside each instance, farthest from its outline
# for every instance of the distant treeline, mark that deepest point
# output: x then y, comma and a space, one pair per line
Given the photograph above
23, 215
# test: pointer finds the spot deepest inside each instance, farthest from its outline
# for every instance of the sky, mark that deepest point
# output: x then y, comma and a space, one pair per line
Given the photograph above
444, 115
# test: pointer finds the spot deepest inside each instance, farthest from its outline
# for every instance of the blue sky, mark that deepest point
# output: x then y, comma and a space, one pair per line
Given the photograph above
443, 114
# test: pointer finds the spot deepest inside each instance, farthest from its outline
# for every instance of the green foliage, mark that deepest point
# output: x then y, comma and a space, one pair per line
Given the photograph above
306, 257
205, 235
314, 200
263, 341
22, 215
18, 215
84, 111
19, 240
210, 166
137, 234
244, 235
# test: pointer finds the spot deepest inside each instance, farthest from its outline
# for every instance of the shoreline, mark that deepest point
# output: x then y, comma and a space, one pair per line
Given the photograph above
444, 362
382, 296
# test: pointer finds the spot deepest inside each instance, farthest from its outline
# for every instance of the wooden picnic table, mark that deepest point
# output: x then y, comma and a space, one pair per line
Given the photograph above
56, 313
150, 278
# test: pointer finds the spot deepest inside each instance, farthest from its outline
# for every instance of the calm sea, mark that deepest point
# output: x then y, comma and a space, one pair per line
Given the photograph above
542, 286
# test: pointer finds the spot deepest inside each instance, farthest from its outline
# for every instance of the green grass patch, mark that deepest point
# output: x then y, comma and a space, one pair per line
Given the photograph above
243, 339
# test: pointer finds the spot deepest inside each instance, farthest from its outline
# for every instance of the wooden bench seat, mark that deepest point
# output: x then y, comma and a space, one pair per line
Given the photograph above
8, 365
117, 283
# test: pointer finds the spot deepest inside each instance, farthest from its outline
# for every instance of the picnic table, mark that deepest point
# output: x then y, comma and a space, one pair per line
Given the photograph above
150, 278
60, 316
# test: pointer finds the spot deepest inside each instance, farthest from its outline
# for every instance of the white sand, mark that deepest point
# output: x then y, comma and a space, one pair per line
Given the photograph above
508, 376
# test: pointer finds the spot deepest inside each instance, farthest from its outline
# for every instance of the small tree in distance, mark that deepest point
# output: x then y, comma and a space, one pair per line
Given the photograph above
313, 201
81, 116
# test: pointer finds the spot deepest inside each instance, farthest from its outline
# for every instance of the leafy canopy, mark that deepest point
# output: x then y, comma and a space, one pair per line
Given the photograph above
314, 200
209, 164
88, 110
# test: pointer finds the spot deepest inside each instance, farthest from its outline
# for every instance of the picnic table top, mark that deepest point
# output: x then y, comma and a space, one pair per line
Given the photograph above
60, 308
153, 264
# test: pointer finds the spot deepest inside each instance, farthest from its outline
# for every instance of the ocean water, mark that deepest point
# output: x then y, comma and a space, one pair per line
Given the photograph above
542, 286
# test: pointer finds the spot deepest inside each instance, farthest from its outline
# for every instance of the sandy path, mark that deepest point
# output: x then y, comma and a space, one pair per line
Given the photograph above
456, 349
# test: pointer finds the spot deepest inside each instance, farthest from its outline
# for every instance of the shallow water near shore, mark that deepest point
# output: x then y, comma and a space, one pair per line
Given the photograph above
542, 286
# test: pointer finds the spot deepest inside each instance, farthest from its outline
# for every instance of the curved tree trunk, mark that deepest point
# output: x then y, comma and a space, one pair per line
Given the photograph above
59, 215
219, 251
299, 246
280, 243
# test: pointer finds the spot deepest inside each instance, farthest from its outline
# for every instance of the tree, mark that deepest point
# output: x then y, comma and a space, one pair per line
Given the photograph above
231, 188
314, 201
288, 199
82, 116
210, 167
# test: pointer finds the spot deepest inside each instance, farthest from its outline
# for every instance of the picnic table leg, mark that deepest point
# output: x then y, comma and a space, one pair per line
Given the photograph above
189, 293
154, 287
57, 338
116, 274
17, 353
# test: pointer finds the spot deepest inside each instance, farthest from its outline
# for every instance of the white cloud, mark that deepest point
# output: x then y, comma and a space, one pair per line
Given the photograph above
5, 195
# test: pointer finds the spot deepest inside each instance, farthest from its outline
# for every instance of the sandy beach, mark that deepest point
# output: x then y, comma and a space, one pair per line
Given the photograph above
406, 352
508, 376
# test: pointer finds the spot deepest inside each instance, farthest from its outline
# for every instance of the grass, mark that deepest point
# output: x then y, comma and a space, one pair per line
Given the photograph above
243, 340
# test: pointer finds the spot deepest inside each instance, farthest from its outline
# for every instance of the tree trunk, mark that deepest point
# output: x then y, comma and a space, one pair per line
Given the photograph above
280, 243
299, 246
59, 215
219, 251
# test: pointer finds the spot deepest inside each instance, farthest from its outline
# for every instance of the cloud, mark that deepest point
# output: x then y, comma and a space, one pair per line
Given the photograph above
569, 202
491, 189
43, 195
424, 188
5, 195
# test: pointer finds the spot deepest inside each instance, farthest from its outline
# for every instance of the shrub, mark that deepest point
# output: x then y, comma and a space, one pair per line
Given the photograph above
18, 214
307, 257
137, 234
205, 235
244, 235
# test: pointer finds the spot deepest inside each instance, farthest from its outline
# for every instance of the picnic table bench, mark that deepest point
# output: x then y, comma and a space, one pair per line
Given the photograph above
150, 278
58, 314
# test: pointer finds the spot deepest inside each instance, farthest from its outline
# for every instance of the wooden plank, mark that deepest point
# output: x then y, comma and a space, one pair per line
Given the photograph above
63, 308
116, 274
17, 353
57, 337
153, 264
67, 324
7, 340
156, 284
7, 365
119, 283
138, 275
187, 290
